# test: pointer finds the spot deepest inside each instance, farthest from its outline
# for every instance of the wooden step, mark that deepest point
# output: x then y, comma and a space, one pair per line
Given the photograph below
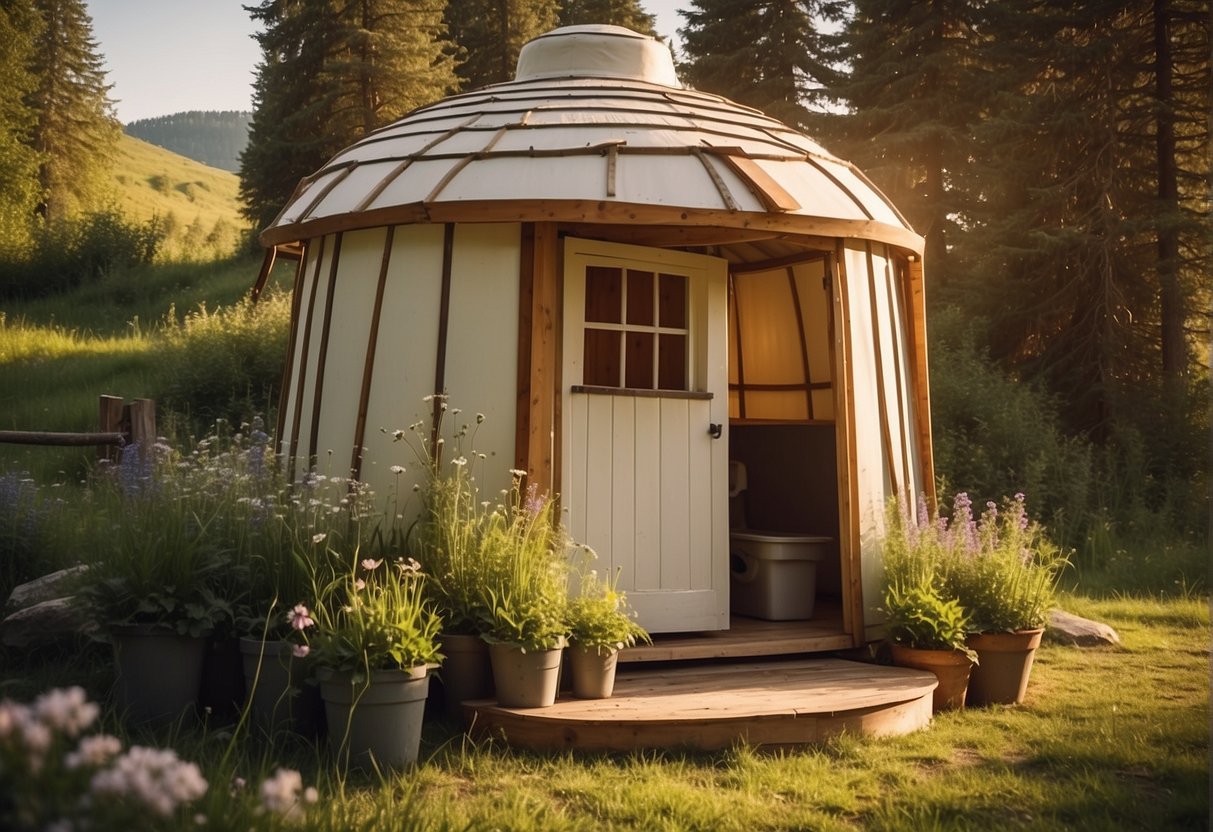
749, 637
780, 703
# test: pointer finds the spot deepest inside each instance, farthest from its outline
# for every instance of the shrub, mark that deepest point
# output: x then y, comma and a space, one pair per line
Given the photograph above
225, 364
66, 253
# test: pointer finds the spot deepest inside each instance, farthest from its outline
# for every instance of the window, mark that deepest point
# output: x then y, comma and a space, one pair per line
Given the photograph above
636, 329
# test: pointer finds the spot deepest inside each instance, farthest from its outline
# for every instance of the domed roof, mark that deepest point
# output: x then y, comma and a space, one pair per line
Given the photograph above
594, 128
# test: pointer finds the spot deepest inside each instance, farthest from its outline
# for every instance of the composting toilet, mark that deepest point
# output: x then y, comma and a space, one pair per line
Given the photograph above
773, 575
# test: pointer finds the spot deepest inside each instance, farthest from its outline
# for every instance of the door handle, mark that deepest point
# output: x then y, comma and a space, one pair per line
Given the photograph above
715, 430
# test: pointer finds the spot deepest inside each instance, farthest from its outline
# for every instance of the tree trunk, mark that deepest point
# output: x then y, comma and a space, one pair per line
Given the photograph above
1171, 305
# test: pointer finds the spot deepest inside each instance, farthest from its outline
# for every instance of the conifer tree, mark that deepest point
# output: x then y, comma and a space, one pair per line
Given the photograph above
329, 74
915, 89
75, 132
19, 30
627, 13
768, 54
489, 34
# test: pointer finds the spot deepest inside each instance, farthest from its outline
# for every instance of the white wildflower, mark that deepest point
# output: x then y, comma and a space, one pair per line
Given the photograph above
397, 469
66, 710
151, 776
94, 751
319, 537
283, 795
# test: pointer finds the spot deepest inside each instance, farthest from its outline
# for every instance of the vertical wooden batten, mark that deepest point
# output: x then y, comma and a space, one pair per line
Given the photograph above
526, 287
322, 353
544, 362
444, 323
882, 398
896, 310
368, 368
305, 347
284, 388
916, 301
847, 455
804, 341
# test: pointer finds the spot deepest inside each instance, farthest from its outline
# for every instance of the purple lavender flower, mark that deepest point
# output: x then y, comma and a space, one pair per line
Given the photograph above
534, 501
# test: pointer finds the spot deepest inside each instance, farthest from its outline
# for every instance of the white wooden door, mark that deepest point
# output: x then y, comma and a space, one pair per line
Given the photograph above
645, 426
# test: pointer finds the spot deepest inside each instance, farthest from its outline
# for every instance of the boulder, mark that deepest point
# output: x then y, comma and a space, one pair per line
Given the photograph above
44, 622
1066, 628
54, 585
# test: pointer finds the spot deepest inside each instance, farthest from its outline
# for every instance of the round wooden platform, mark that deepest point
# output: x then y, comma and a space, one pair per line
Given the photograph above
769, 703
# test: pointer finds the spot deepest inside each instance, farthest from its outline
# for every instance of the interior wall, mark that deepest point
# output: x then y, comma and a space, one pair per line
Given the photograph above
792, 484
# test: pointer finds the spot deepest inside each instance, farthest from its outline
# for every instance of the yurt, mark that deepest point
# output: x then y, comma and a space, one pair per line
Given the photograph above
692, 323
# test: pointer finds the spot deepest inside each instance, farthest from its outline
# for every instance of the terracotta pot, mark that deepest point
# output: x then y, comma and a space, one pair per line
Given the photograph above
378, 722
159, 672
280, 695
951, 668
593, 672
525, 680
1004, 664
467, 671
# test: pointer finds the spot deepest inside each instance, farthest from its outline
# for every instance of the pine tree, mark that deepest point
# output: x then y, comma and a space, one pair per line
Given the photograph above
1088, 233
768, 54
76, 132
19, 30
329, 75
489, 34
915, 89
627, 13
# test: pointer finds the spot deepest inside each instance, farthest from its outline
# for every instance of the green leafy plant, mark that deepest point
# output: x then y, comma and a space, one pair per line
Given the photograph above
1000, 570
158, 554
525, 596
599, 618
1007, 576
449, 535
372, 616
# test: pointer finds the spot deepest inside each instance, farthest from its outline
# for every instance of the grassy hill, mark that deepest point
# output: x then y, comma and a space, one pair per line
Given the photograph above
198, 205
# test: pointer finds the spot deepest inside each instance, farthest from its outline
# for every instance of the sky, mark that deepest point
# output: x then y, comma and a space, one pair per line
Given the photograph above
170, 56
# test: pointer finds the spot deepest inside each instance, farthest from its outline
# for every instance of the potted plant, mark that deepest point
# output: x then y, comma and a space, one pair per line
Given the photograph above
159, 577
374, 638
524, 599
600, 624
1007, 580
927, 626
290, 530
447, 540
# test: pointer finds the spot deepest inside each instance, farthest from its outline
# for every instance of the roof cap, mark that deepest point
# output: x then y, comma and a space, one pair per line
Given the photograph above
596, 51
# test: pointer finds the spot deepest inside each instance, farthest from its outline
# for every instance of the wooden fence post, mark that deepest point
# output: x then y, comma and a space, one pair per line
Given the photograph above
110, 422
141, 424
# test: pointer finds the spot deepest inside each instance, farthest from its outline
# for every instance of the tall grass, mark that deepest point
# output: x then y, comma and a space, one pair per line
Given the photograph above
137, 333
1113, 738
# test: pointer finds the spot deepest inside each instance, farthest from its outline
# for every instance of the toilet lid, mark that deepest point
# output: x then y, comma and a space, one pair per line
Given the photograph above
754, 536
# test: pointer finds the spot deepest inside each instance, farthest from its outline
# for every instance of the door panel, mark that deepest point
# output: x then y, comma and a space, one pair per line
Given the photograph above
645, 484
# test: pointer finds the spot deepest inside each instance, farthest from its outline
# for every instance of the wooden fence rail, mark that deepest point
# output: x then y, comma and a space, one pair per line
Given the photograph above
119, 425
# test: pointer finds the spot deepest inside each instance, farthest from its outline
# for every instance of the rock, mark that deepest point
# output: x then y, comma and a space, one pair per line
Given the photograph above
1065, 628
44, 622
54, 585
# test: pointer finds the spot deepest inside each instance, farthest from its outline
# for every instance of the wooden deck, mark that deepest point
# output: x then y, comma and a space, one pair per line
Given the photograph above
750, 637
779, 703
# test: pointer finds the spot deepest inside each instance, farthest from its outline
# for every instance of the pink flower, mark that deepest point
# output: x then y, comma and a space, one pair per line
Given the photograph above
299, 618
300, 651
369, 564
359, 584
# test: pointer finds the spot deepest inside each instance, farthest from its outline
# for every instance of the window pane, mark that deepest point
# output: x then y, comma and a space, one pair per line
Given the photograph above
640, 297
603, 294
639, 361
601, 358
672, 363
673, 300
